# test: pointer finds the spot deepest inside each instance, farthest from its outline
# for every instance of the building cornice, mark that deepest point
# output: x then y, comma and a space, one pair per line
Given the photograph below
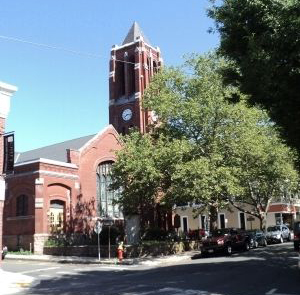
47, 161
44, 173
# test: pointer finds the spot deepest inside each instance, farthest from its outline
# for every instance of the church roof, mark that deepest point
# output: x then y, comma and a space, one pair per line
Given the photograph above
135, 32
56, 152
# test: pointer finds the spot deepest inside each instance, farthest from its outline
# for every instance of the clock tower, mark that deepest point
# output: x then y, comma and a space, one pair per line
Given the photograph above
132, 65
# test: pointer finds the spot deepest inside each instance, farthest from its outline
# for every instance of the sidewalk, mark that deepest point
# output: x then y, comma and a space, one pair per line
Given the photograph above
150, 260
12, 283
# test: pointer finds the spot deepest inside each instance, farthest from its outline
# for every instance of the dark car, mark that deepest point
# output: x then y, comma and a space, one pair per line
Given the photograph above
296, 235
225, 240
256, 238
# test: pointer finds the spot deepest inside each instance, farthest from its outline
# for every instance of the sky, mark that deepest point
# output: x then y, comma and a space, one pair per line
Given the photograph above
63, 95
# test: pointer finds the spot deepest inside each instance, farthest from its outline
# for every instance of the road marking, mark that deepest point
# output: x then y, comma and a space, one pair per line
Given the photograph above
45, 276
37, 270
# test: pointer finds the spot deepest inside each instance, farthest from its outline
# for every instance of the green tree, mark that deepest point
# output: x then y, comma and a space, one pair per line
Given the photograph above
262, 38
201, 147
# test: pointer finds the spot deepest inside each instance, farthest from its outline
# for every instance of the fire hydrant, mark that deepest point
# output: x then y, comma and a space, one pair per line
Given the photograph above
120, 251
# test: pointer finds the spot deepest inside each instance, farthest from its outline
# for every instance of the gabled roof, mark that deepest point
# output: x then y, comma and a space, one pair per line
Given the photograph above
134, 32
56, 152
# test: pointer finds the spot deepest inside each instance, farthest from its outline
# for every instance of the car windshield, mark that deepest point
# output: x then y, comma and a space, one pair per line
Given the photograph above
273, 228
220, 232
251, 232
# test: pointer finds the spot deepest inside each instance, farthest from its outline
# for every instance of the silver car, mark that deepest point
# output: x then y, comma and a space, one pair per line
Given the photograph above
278, 234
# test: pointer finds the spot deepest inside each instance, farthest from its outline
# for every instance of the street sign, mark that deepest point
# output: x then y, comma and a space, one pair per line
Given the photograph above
250, 218
98, 227
107, 221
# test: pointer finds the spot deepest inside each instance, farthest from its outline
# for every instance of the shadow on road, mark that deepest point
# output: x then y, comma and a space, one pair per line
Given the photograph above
247, 273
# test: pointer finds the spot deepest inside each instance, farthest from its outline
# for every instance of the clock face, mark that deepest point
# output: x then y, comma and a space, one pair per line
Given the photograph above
127, 114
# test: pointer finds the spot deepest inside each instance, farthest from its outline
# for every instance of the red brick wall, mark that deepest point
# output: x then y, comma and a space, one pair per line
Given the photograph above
125, 73
101, 150
70, 185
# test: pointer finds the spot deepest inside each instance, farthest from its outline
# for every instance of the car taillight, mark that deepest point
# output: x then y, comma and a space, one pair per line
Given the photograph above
220, 242
297, 237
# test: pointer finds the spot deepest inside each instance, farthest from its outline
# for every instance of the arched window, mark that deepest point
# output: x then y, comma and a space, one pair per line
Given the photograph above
106, 196
22, 205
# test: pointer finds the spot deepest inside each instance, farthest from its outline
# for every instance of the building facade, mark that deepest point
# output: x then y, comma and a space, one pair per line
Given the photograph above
64, 187
60, 188
193, 217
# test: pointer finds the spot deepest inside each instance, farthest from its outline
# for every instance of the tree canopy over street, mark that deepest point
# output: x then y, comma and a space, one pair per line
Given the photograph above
262, 38
204, 148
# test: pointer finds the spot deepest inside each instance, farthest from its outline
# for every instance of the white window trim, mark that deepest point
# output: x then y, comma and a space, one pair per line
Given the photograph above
219, 220
187, 223
239, 218
200, 221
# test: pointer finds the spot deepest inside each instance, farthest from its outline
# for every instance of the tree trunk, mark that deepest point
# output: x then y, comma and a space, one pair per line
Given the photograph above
213, 218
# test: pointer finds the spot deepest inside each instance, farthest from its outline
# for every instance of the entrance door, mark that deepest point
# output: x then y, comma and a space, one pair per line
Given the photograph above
222, 220
185, 224
242, 221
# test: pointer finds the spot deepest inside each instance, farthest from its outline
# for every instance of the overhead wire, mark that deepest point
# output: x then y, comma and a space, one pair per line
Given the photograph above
59, 48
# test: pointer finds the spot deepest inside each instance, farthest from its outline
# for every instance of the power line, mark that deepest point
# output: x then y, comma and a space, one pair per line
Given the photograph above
58, 48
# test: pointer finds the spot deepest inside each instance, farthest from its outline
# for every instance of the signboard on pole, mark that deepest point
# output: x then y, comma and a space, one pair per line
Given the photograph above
9, 153
98, 227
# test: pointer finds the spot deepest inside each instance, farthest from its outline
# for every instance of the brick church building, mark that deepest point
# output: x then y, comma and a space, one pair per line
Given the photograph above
64, 187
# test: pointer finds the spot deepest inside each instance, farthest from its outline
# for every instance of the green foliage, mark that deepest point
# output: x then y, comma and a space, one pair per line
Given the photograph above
262, 38
205, 149
156, 234
21, 252
62, 240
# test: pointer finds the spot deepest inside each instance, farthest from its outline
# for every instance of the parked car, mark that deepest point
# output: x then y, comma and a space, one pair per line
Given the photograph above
225, 240
257, 238
278, 233
296, 235
4, 252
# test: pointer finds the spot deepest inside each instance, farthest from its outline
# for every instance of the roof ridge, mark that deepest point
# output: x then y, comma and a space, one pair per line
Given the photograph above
57, 143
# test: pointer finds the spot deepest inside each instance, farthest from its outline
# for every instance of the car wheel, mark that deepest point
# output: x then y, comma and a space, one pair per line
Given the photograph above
228, 250
289, 237
281, 240
247, 246
203, 254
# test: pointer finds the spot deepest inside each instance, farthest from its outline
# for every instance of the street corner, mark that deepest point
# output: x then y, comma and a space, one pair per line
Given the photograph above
12, 283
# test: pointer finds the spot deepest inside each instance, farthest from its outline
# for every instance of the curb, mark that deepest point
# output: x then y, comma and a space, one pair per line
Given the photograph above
67, 259
89, 260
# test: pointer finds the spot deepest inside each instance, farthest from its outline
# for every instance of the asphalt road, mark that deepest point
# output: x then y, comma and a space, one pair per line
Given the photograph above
264, 271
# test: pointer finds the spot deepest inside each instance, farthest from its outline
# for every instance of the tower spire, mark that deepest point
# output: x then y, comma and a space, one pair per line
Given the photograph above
134, 34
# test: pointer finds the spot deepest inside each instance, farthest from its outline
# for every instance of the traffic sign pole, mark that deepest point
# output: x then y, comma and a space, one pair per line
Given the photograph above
98, 229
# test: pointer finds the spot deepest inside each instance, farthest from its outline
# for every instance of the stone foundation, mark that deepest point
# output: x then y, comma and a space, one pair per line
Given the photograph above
39, 241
